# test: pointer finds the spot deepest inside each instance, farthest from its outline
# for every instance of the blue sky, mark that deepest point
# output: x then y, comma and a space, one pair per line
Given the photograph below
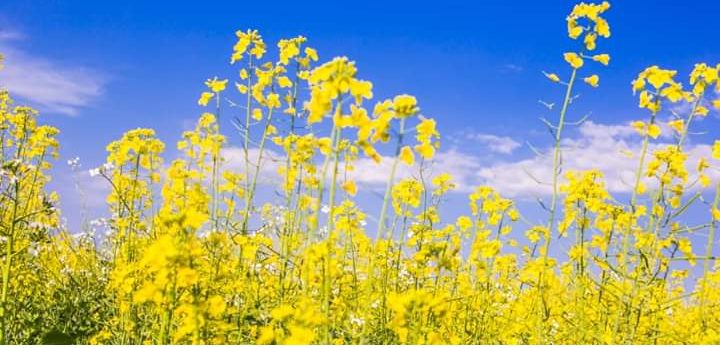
98, 68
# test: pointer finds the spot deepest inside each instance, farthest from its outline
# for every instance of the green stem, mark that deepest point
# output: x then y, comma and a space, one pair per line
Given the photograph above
390, 182
246, 145
708, 253
6, 270
555, 184
556, 162
251, 194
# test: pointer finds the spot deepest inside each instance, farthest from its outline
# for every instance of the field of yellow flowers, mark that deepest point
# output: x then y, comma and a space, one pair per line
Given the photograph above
193, 257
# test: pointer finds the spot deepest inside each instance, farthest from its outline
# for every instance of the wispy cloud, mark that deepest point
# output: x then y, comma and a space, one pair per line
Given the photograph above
499, 144
47, 84
235, 161
458, 164
597, 146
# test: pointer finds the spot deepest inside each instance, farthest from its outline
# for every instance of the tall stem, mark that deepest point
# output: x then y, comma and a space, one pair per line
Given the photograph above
391, 179
7, 265
556, 162
708, 252
253, 185
246, 145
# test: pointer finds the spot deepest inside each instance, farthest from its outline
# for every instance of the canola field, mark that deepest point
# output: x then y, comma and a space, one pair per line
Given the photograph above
195, 254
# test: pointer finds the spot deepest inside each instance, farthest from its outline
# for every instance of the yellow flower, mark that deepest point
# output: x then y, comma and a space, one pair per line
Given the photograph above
324, 145
299, 336
273, 100
360, 90
658, 77
216, 306
406, 193
311, 53
716, 103
553, 77
673, 92
590, 39
648, 101
216, 85
426, 129
407, 156
653, 131
592, 80
405, 105
270, 130
284, 82
289, 49
426, 151
573, 59
443, 183
592, 13
716, 150
282, 312
243, 89
574, 30
257, 114
677, 125
638, 84
205, 98
464, 223
602, 28
350, 187
603, 59
639, 127
701, 111
704, 180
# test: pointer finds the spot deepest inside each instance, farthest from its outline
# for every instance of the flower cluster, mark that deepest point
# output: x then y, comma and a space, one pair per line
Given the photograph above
261, 241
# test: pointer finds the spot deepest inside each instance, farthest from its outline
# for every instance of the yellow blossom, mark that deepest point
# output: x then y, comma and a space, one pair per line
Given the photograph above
350, 187
574, 60
216, 85
407, 156
603, 59
592, 80
552, 77
205, 98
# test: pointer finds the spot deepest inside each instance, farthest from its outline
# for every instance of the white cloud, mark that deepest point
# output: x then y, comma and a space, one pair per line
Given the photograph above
366, 173
499, 144
461, 166
595, 146
235, 161
49, 85
598, 146
93, 189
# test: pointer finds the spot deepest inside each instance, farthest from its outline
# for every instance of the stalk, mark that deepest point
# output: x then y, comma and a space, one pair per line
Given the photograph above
708, 254
327, 282
246, 145
556, 161
6, 268
555, 173
251, 193
388, 188
333, 183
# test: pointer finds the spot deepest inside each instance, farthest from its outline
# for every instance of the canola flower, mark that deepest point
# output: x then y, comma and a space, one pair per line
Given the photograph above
191, 256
